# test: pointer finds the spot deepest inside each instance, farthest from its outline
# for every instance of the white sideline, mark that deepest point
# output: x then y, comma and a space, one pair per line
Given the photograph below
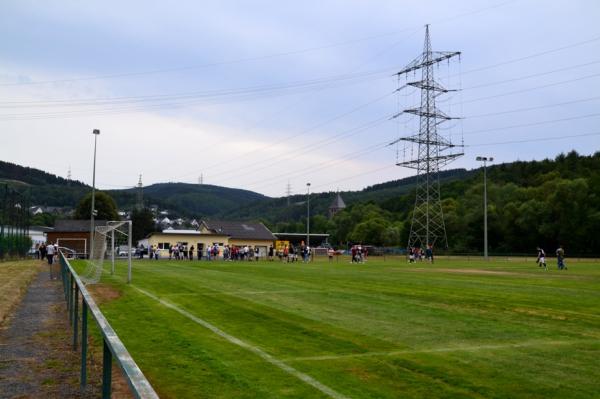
276, 362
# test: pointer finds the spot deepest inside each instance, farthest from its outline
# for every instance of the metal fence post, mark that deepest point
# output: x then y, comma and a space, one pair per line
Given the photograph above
75, 317
84, 342
106, 371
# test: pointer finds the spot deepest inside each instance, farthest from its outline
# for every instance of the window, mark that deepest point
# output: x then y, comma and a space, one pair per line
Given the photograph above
164, 245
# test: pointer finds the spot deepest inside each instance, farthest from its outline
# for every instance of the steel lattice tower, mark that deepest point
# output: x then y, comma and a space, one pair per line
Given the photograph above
427, 225
140, 194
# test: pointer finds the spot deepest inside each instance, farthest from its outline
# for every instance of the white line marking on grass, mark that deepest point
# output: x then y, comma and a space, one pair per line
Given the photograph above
244, 293
473, 348
236, 341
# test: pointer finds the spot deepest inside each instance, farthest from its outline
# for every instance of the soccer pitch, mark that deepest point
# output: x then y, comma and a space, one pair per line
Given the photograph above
384, 329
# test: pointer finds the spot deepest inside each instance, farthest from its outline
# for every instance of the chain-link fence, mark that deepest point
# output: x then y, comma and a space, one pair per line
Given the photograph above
15, 241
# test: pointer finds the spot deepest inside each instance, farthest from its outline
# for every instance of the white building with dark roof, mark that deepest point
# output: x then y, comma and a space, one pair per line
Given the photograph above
212, 232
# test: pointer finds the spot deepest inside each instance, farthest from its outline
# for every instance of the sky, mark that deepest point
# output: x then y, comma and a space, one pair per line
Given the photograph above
260, 95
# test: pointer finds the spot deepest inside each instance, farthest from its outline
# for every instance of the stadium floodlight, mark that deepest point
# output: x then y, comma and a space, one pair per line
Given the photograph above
95, 132
485, 160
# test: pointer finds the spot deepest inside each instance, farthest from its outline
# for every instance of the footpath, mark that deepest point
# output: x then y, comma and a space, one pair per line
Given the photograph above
36, 355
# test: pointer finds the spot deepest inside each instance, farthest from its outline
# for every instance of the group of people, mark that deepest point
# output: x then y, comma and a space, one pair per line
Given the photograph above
181, 251
560, 258
290, 254
47, 252
418, 254
359, 254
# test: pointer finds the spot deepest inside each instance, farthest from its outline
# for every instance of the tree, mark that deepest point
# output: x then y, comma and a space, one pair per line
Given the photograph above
142, 223
43, 219
105, 206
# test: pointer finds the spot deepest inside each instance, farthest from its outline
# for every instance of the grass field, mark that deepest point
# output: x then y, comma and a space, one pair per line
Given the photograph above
15, 276
379, 330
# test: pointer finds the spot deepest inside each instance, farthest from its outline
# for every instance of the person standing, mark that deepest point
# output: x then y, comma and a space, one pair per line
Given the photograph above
541, 258
560, 258
191, 252
42, 251
50, 257
429, 253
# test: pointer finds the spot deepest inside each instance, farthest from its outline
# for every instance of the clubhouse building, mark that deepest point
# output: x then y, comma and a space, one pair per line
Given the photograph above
214, 232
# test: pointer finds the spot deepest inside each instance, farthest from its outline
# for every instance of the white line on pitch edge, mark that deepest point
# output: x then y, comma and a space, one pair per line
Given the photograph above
274, 361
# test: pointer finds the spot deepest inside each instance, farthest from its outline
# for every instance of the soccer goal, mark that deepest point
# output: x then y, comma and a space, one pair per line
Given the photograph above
109, 241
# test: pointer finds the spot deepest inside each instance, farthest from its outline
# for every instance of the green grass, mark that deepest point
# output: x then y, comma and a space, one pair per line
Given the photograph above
379, 330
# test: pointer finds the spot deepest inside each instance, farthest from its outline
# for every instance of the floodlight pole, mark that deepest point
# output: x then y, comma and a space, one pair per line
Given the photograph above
307, 214
95, 132
485, 228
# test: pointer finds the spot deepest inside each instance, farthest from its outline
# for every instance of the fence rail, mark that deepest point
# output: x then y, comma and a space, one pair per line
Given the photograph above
112, 345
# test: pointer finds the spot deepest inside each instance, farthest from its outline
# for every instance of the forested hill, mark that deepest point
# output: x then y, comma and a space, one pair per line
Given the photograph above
192, 200
548, 202
545, 203
45, 188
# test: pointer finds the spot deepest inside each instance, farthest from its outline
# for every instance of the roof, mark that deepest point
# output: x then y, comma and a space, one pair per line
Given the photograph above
73, 226
338, 202
174, 231
41, 228
239, 230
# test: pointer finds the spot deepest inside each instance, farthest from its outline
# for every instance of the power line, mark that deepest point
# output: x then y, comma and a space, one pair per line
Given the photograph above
535, 140
533, 123
256, 58
304, 131
525, 109
532, 88
535, 75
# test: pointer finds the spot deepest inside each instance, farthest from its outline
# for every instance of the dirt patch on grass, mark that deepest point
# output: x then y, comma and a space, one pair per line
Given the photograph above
465, 271
103, 293
540, 313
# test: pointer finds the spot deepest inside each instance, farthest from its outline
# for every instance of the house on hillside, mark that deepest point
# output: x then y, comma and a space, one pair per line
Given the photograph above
73, 234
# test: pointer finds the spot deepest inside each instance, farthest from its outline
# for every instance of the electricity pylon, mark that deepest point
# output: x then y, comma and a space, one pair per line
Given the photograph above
427, 226
140, 194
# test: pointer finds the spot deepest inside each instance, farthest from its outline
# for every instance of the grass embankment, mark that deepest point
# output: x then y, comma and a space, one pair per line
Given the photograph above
379, 330
15, 276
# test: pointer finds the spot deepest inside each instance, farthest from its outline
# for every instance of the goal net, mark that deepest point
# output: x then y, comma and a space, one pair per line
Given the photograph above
110, 241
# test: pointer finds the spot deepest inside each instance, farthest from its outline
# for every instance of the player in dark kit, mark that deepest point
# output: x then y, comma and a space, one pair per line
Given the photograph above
560, 258
541, 258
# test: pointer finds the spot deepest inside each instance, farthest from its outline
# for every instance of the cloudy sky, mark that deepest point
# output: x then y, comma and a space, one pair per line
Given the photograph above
256, 94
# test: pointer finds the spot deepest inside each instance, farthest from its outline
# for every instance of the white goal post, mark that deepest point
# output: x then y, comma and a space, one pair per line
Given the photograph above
94, 269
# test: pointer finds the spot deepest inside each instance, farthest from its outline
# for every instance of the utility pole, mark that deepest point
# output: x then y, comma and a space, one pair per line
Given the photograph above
485, 227
96, 132
427, 225
307, 214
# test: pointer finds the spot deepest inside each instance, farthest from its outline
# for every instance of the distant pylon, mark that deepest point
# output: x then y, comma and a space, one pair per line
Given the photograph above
201, 179
288, 192
427, 225
140, 194
69, 175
